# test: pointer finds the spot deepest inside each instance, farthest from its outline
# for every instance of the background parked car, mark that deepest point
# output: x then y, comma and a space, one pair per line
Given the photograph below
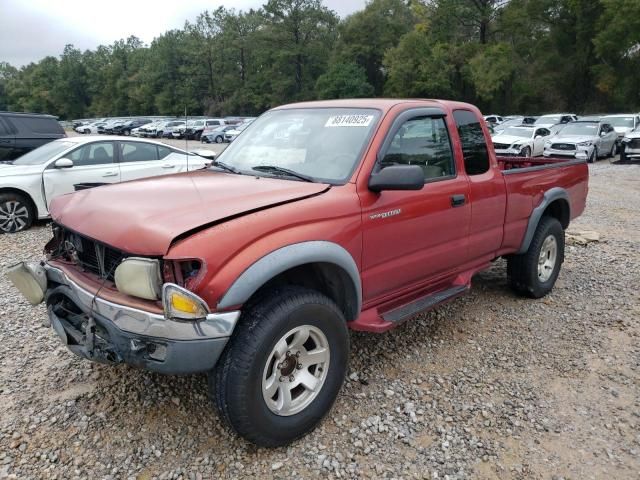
622, 124
215, 135
493, 119
630, 146
555, 119
594, 139
90, 128
231, 135
172, 127
22, 132
523, 141
28, 185
125, 127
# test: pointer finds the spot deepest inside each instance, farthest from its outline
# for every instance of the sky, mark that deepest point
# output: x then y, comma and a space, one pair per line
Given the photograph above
32, 29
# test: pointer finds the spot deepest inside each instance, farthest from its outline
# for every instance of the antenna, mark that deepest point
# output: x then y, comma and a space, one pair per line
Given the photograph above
186, 134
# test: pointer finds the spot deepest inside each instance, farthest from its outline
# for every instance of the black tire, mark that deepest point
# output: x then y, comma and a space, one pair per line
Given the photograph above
594, 156
236, 382
623, 155
219, 139
614, 150
197, 136
522, 269
22, 209
526, 152
126, 133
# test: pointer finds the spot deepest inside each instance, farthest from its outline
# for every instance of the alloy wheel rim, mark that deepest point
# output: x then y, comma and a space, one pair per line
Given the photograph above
296, 370
14, 216
547, 258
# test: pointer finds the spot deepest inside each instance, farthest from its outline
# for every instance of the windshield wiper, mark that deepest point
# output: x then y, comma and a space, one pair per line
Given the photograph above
286, 171
224, 166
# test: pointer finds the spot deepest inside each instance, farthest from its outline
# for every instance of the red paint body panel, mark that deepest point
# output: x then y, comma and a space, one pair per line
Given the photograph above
231, 221
145, 216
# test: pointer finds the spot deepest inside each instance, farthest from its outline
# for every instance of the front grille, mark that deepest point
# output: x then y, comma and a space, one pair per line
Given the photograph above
634, 143
92, 256
501, 146
563, 146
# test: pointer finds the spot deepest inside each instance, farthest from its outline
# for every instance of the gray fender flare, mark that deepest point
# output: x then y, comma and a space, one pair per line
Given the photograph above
288, 257
551, 195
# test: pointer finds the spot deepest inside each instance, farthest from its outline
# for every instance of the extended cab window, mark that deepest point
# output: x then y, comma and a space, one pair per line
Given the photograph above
137, 152
474, 146
93, 154
422, 141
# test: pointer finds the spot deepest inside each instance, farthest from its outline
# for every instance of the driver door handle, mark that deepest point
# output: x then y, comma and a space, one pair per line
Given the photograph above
168, 165
110, 174
458, 200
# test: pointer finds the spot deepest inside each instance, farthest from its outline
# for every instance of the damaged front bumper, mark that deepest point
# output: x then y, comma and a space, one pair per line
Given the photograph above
105, 332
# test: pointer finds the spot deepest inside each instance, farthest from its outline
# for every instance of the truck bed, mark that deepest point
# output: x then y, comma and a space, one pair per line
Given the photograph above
526, 181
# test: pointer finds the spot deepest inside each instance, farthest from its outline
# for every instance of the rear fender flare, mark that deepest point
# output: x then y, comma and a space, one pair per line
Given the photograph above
551, 195
286, 258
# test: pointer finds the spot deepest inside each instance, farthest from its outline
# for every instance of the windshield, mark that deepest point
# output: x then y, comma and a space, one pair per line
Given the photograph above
518, 132
620, 121
43, 153
590, 129
322, 143
545, 119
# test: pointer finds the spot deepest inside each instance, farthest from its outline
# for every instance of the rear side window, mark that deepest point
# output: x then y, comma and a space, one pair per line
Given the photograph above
40, 125
474, 147
138, 152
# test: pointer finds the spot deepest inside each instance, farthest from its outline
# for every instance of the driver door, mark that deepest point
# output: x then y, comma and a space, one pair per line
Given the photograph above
93, 165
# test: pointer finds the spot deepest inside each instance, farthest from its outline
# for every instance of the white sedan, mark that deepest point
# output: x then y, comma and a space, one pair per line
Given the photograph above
524, 141
29, 183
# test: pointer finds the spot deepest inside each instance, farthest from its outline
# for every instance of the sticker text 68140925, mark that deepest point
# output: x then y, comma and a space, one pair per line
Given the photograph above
349, 121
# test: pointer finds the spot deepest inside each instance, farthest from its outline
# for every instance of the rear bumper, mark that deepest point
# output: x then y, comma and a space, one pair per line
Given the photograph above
104, 332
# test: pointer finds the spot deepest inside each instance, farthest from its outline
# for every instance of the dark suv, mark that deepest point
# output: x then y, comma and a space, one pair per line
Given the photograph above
22, 132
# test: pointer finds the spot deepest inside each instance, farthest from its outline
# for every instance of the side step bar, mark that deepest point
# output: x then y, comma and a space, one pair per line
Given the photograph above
407, 311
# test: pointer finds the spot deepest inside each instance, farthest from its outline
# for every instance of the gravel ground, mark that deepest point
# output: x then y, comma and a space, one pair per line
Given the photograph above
491, 386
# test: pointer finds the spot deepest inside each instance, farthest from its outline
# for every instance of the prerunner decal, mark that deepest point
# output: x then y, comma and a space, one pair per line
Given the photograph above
349, 121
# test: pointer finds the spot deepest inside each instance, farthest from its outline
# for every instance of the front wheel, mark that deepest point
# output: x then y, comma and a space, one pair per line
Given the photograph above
283, 367
219, 139
594, 156
534, 273
16, 213
525, 152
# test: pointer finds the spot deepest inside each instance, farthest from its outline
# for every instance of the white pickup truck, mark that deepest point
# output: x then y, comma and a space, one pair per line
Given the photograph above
29, 183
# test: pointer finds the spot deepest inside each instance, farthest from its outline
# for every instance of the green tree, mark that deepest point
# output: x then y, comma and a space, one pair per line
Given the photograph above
343, 81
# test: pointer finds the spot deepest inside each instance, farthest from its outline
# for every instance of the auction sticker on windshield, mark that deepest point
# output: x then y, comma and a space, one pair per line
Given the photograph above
349, 121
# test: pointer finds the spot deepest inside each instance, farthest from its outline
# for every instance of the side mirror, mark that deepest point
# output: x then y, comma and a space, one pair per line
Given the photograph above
397, 177
63, 163
603, 133
538, 136
208, 154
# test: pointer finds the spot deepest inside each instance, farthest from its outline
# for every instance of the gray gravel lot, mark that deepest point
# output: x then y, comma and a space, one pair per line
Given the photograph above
491, 386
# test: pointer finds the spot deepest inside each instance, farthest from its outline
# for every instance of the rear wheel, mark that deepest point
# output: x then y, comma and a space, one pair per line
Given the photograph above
219, 139
534, 273
16, 213
283, 367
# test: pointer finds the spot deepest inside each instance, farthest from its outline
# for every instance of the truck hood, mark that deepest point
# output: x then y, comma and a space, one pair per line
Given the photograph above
145, 216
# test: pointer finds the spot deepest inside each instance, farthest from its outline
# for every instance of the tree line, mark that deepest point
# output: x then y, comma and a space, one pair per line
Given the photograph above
507, 56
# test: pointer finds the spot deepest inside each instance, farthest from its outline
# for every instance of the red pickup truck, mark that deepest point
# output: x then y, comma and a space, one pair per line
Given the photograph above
320, 217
